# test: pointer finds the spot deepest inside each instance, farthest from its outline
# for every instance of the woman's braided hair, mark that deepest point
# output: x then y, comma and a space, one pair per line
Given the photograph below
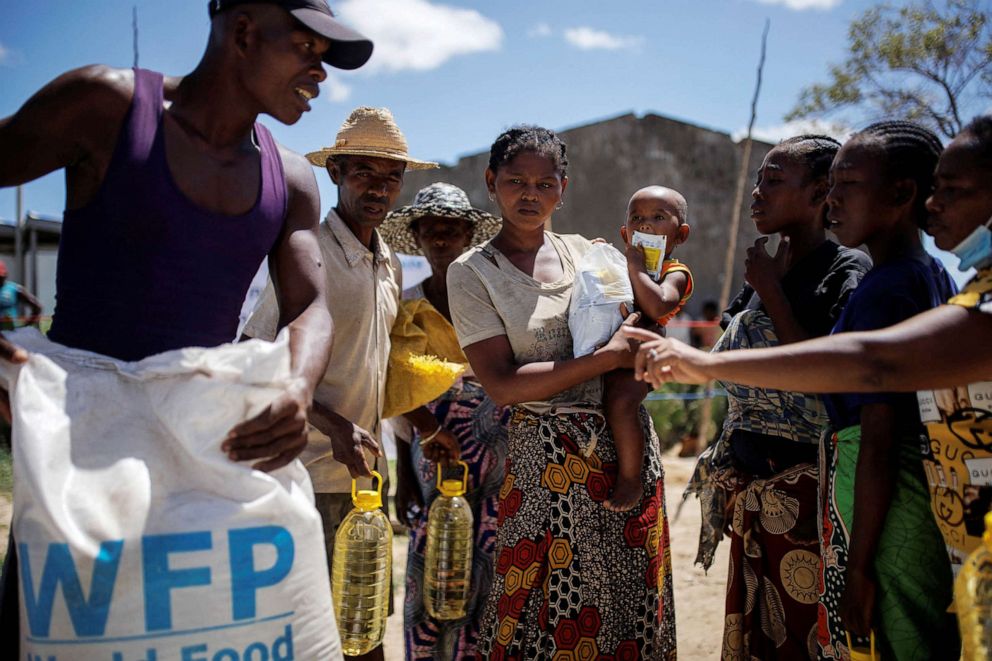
517, 139
980, 132
911, 152
816, 151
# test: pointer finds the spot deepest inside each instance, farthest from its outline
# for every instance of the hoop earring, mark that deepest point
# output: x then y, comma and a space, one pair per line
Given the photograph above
560, 205
492, 198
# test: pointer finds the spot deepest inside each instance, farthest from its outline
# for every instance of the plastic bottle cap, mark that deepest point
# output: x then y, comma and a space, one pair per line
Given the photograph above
452, 488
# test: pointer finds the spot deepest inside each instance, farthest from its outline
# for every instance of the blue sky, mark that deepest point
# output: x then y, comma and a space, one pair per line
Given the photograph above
455, 73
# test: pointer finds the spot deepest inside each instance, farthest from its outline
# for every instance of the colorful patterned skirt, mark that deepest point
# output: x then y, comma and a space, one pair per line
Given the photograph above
480, 427
574, 580
914, 577
774, 566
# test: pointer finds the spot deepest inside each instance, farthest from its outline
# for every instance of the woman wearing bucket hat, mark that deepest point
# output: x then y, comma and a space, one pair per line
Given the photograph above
441, 224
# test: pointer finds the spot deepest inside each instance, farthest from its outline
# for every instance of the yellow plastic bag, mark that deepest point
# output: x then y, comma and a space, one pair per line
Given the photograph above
424, 359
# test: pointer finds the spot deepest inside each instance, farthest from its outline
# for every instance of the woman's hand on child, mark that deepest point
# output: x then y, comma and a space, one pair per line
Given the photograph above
660, 360
620, 345
763, 271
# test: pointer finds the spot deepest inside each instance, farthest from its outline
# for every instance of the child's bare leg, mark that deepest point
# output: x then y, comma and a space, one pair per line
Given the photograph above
622, 400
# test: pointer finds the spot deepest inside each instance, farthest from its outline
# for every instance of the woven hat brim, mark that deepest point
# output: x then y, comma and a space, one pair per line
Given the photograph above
319, 158
395, 230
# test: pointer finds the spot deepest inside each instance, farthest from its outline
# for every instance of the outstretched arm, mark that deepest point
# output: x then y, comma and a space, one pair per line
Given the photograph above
278, 435
940, 348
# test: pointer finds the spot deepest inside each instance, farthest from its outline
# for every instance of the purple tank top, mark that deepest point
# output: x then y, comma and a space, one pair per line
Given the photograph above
141, 268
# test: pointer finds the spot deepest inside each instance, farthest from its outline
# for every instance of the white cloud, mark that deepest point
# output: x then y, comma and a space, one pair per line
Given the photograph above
778, 132
418, 34
540, 30
4, 54
803, 5
586, 38
335, 89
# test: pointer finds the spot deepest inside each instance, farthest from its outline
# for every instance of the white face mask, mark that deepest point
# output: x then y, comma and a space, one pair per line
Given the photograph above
975, 250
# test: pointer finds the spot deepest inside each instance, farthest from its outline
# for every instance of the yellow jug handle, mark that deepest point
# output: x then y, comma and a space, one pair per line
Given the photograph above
440, 471
354, 483
871, 643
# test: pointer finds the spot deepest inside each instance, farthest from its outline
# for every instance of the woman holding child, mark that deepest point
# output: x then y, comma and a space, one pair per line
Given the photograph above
571, 575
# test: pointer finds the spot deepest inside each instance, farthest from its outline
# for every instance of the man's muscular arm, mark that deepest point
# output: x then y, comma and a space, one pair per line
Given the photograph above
72, 122
278, 434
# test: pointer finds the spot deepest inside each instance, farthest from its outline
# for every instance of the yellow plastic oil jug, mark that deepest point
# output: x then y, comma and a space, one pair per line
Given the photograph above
973, 600
450, 538
361, 571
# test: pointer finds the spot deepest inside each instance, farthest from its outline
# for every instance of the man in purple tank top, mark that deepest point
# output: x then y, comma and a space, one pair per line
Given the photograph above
173, 175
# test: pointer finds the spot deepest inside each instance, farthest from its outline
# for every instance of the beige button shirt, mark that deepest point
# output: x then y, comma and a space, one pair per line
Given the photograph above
363, 294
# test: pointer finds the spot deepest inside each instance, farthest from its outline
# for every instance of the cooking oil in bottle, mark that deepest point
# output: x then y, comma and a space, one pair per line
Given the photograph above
973, 600
361, 571
450, 537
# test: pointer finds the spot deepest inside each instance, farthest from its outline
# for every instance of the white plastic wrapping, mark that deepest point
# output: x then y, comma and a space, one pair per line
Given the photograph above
601, 285
137, 538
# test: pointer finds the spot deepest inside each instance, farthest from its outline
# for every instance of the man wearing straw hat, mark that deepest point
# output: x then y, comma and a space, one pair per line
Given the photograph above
362, 277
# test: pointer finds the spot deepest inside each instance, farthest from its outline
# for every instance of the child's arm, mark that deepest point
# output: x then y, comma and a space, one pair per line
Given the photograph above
654, 299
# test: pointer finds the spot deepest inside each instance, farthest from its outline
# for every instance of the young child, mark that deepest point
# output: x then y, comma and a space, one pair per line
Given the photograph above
659, 211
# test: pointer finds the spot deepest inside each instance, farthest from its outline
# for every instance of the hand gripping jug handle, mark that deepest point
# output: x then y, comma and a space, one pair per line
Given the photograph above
445, 486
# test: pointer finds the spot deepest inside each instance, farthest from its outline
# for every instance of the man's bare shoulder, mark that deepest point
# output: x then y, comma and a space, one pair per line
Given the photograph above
97, 87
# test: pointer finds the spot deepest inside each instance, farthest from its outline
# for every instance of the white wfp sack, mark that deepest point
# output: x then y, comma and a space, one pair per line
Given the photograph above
601, 285
137, 538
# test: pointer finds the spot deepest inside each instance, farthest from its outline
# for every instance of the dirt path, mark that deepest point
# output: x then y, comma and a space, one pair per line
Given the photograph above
699, 597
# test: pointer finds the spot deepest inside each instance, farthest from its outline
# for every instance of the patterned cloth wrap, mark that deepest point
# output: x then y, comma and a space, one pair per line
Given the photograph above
793, 416
480, 427
574, 580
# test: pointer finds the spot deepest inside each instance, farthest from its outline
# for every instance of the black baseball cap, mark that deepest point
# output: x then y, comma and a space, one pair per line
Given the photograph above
349, 49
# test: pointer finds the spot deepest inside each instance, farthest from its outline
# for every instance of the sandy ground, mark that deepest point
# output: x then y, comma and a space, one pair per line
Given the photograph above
699, 597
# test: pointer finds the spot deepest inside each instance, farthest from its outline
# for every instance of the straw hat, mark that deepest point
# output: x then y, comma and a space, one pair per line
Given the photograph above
441, 200
370, 132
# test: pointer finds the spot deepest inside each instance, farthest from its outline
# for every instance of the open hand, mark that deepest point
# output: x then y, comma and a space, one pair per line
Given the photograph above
763, 271
660, 360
